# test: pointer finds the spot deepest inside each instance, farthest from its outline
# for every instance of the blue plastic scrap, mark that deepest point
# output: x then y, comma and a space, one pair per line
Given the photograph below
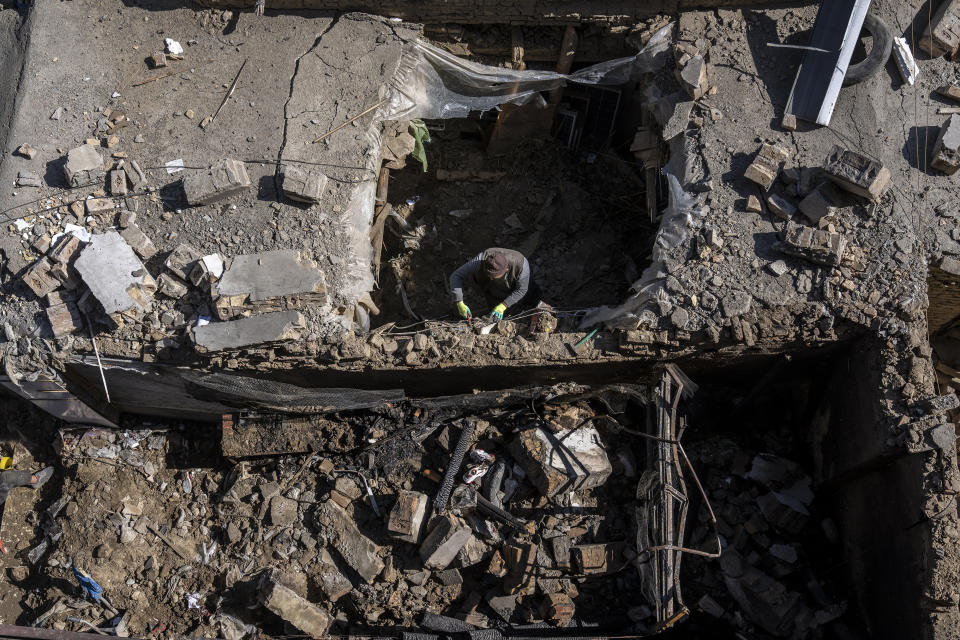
88, 584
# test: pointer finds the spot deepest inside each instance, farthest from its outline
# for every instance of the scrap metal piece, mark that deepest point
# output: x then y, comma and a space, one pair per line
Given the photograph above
662, 504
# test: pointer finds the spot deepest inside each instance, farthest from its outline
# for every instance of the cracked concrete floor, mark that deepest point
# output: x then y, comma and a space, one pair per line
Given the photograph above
93, 56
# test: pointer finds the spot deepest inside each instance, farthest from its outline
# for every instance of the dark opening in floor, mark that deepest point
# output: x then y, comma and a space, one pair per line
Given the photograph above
579, 217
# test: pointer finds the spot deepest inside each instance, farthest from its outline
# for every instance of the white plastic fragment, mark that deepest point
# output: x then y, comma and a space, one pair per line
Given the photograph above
173, 46
174, 165
907, 65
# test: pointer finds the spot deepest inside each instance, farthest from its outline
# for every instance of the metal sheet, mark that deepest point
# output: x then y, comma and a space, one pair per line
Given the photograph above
820, 76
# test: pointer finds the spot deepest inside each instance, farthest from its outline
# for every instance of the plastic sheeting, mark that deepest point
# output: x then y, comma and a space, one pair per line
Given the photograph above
433, 83
683, 214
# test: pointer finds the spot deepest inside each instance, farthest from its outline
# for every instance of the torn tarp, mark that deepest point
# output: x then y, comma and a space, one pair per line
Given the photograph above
433, 83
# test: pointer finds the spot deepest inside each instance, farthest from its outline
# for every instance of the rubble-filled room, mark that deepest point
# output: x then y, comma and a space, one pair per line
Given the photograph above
454, 514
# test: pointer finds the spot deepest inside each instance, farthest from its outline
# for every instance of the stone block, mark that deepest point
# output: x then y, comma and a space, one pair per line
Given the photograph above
780, 207
591, 559
565, 461
28, 179
26, 151
299, 612
118, 182
942, 34
126, 218
946, 150
222, 180
693, 77
158, 60
115, 276
247, 332
64, 318
357, 550
822, 201
856, 173
171, 286
96, 206
560, 545
443, 544
406, 517
815, 245
137, 239
84, 166
180, 261
301, 185
765, 167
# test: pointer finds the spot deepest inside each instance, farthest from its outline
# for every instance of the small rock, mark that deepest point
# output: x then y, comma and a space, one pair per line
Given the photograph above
26, 151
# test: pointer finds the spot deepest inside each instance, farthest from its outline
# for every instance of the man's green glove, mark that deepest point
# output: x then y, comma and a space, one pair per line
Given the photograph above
464, 310
498, 310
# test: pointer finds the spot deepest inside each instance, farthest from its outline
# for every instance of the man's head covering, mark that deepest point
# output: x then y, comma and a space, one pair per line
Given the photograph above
495, 265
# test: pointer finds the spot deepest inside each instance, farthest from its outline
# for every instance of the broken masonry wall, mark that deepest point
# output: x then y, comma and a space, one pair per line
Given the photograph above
504, 11
892, 491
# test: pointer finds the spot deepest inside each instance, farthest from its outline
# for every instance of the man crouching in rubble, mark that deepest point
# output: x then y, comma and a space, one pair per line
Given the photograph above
503, 275
11, 479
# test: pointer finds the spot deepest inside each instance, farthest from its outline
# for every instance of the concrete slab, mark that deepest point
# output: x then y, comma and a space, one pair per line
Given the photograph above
236, 334
115, 275
271, 274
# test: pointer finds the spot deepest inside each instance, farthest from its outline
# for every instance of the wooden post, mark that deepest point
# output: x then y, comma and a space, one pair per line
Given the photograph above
568, 48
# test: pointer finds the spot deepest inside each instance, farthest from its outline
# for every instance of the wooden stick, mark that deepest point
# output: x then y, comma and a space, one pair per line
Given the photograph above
351, 120
160, 77
233, 86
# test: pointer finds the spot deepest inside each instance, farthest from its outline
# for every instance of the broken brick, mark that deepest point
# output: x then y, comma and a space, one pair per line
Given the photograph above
299, 612
406, 517
765, 167
443, 544
140, 242
856, 173
946, 150
301, 185
222, 180
84, 166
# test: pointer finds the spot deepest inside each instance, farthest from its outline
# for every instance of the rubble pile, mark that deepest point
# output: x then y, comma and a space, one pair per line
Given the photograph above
446, 517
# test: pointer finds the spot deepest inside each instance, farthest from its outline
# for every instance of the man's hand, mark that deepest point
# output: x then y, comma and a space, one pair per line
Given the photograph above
464, 311
497, 312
